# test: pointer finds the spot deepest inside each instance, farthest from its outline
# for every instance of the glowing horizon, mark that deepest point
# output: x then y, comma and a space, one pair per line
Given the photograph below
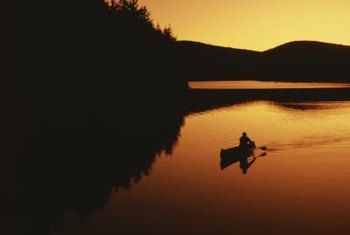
254, 24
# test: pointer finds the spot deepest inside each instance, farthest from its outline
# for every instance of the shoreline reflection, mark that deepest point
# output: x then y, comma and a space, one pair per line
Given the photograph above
77, 170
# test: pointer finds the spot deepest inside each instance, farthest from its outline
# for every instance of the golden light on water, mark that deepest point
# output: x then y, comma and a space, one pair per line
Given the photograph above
299, 187
254, 24
305, 173
263, 85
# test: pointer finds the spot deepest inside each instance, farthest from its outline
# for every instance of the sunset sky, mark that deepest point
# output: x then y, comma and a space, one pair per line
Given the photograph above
254, 24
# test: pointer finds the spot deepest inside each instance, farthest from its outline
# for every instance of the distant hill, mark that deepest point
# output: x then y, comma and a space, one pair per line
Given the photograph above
293, 61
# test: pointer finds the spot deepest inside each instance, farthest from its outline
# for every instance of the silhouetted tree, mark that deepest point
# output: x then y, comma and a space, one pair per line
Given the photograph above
168, 33
92, 68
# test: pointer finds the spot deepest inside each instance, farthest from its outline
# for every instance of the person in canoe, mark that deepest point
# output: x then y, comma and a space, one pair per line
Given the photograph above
245, 142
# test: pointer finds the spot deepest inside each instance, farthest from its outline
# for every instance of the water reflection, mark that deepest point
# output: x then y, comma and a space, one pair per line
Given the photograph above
80, 170
244, 164
245, 159
307, 106
77, 170
263, 85
206, 99
292, 190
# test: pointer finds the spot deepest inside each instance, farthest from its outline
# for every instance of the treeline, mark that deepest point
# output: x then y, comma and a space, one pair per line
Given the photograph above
84, 36
84, 55
307, 61
103, 92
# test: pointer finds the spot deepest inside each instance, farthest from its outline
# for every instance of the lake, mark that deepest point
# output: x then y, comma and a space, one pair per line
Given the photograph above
264, 85
301, 185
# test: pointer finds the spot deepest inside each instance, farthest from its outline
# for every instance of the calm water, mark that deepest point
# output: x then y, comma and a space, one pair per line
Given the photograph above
263, 85
300, 187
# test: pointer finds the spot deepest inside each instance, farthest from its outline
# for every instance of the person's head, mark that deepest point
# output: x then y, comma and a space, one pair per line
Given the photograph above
244, 134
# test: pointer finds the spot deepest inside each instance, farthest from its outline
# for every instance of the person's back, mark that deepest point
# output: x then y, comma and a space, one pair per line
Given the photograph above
244, 141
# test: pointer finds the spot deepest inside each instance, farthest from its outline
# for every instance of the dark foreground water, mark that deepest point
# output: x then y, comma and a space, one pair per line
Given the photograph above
300, 187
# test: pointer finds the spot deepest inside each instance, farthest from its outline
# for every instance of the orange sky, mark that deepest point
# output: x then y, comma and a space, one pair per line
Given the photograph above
254, 24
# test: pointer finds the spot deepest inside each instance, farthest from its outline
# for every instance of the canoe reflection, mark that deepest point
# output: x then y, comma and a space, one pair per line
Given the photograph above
245, 157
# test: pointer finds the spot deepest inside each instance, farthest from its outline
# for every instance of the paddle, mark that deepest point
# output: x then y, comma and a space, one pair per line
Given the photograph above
263, 154
264, 148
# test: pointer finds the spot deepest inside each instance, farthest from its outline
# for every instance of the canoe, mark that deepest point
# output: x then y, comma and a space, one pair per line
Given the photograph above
232, 155
235, 152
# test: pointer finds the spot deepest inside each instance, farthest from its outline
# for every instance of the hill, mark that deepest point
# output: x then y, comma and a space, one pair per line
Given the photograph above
293, 61
208, 62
